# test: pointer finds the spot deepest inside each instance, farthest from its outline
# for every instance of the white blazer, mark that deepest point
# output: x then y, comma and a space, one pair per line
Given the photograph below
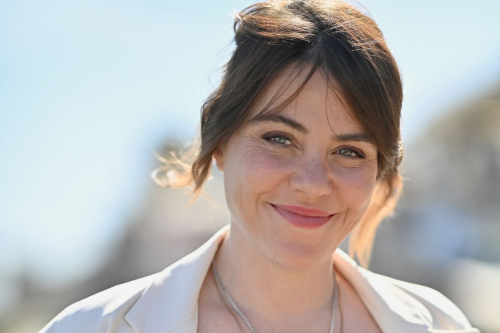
168, 301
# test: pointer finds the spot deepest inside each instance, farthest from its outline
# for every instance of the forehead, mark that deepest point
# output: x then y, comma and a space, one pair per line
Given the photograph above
318, 102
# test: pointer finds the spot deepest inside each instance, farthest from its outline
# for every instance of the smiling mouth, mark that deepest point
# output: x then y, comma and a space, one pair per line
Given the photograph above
303, 217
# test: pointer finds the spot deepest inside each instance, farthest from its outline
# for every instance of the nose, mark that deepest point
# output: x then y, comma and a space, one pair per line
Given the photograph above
311, 177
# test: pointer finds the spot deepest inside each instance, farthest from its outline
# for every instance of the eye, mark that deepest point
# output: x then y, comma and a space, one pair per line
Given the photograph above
350, 153
278, 139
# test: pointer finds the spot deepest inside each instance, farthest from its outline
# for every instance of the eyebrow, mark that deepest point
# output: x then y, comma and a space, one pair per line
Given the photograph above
358, 137
276, 118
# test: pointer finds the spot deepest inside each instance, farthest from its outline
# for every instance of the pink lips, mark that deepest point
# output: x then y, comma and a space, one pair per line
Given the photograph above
303, 217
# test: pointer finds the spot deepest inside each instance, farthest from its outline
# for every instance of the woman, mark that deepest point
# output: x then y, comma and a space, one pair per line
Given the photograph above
305, 127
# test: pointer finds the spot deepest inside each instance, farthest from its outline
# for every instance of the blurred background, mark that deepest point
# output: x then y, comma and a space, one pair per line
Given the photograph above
89, 90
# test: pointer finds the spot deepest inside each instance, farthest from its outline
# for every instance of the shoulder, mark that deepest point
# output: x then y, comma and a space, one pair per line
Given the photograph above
443, 311
162, 302
399, 306
440, 312
101, 312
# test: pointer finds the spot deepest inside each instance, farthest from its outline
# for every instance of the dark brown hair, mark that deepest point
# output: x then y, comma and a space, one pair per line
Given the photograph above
341, 41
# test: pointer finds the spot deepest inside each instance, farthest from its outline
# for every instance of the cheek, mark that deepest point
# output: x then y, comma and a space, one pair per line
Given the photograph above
260, 165
356, 186
250, 173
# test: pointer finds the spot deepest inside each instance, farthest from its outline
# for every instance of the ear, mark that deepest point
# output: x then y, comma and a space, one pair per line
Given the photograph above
219, 158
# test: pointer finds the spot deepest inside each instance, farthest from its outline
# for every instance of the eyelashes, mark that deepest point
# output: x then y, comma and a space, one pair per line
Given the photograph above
283, 141
350, 153
278, 139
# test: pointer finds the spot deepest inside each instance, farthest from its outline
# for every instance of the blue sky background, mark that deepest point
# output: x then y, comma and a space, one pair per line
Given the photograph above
89, 88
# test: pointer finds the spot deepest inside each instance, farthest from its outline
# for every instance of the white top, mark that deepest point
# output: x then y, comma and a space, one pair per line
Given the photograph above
168, 301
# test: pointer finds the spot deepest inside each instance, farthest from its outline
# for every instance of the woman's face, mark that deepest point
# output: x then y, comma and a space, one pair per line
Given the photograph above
298, 182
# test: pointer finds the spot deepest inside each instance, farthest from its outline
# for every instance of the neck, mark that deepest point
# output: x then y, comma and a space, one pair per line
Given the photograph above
268, 292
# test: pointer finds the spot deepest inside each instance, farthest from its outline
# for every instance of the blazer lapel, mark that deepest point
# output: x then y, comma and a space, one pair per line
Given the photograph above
392, 309
172, 306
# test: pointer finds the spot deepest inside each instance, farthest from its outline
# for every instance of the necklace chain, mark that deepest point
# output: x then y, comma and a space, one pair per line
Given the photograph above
225, 292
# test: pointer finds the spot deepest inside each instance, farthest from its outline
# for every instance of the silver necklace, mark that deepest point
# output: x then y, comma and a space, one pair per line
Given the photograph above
238, 311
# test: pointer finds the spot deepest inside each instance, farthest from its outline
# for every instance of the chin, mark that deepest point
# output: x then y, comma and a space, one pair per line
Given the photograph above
294, 255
